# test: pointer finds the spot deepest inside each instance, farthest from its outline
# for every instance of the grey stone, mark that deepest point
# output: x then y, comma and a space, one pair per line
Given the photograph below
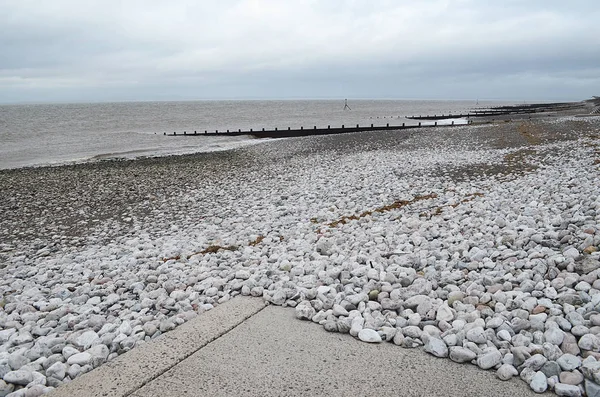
538, 383
5, 388
550, 368
504, 335
527, 375
20, 377
80, 359
565, 390
16, 361
57, 371
476, 335
242, 274
436, 347
68, 351
551, 352
571, 378
36, 391
461, 354
592, 389
589, 342
569, 362
304, 311
521, 353
506, 371
74, 371
591, 369
87, 340
330, 326
5, 334
444, 313
489, 360
4, 369
416, 300
368, 335
338, 310
99, 354
575, 318
554, 335
535, 362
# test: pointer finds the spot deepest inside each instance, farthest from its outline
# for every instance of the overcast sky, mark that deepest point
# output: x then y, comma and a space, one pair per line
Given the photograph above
114, 50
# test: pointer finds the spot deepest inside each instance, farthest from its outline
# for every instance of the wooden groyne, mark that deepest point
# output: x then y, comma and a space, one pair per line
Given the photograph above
289, 132
504, 110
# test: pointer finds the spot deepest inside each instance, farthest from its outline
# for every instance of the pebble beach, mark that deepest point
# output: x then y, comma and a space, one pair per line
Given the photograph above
476, 243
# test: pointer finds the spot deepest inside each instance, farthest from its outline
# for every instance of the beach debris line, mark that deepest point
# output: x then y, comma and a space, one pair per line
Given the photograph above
395, 205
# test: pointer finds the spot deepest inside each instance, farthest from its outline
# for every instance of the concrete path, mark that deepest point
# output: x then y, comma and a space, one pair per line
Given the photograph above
243, 348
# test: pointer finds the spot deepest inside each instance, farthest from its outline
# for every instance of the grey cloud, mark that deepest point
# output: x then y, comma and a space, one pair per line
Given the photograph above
142, 50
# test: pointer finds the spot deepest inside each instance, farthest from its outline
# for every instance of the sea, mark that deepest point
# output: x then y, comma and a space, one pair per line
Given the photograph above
55, 134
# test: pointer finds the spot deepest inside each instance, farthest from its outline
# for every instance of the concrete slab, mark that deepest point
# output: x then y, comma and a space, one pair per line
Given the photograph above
273, 354
130, 371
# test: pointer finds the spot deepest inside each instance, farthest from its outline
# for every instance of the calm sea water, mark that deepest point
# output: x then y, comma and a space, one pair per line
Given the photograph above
32, 135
